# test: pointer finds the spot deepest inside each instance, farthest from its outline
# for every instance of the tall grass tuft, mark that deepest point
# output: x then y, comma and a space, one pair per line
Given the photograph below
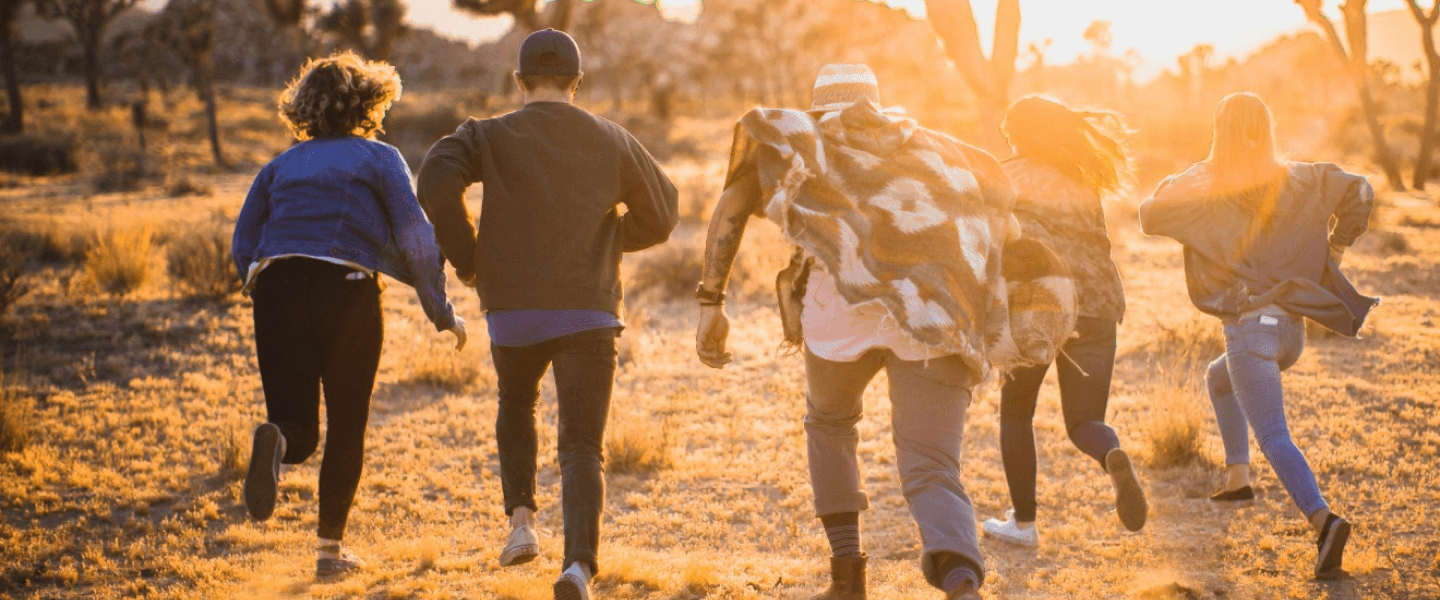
234, 453
439, 366
119, 261
200, 264
1174, 431
634, 446
16, 418
13, 287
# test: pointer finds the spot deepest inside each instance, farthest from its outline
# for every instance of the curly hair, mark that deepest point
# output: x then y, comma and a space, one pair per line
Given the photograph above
339, 95
1090, 146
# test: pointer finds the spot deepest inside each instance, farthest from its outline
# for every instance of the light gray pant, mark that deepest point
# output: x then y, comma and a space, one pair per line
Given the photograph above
929, 400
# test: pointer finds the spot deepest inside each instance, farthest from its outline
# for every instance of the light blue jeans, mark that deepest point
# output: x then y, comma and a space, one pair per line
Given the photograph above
1245, 389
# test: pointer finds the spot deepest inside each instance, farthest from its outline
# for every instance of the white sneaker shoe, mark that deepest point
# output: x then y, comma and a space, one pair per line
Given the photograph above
522, 547
1009, 531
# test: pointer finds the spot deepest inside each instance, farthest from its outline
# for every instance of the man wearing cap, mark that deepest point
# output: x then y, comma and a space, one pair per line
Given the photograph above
546, 264
899, 230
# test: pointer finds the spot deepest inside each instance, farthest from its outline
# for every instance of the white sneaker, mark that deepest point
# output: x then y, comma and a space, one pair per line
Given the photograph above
1009, 531
522, 547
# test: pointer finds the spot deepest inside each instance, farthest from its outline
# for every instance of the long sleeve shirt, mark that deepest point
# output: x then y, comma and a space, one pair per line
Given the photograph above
550, 233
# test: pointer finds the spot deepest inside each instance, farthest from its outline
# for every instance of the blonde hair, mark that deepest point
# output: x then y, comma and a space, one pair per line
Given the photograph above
339, 95
1089, 146
1243, 163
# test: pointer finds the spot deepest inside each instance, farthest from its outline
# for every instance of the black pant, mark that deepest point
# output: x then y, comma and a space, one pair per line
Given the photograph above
1085, 367
584, 377
314, 327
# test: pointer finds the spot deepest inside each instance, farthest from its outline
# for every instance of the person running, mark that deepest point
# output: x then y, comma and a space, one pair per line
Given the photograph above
546, 264
320, 224
900, 228
1065, 162
1261, 254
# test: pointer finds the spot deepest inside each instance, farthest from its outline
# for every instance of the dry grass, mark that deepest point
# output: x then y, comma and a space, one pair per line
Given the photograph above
146, 403
121, 260
13, 286
200, 264
16, 417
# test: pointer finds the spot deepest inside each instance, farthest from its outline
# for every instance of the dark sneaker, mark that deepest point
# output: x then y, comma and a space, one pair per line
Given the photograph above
262, 482
1243, 494
336, 568
1331, 546
571, 587
1130, 503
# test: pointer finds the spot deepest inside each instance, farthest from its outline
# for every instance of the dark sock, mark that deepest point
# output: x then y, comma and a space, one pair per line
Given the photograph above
843, 531
958, 572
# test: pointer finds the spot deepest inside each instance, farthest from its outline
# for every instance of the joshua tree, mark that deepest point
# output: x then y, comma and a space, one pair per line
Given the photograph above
1357, 66
953, 21
188, 28
1427, 20
89, 19
370, 26
288, 16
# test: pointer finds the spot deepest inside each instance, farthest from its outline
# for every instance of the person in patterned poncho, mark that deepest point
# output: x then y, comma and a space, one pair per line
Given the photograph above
902, 228
1065, 161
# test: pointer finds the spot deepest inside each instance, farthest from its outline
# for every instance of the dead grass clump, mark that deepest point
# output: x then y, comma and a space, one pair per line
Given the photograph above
199, 263
1174, 430
120, 169
47, 242
634, 446
182, 185
439, 366
16, 418
234, 451
671, 271
35, 155
119, 261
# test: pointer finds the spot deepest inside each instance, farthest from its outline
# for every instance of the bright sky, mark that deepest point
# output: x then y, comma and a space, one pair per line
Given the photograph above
1158, 30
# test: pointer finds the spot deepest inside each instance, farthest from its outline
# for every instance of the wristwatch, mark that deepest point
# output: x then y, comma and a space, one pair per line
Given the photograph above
707, 297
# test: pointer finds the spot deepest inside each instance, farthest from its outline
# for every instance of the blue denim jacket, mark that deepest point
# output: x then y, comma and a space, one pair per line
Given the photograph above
346, 198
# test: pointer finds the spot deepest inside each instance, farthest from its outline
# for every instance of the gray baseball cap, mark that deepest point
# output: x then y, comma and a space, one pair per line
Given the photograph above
549, 52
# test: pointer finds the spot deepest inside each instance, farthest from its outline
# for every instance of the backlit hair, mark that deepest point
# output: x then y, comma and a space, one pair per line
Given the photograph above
1243, 163
1089, 146
339, 95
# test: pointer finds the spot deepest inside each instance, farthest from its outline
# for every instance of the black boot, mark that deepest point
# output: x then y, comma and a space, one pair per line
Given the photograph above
847, 579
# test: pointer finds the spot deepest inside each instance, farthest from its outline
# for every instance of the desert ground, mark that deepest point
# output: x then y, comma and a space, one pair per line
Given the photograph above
129, 387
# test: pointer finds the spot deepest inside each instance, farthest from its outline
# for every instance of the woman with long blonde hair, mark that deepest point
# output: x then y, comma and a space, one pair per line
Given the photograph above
1066, 160
320, 224
1262, 255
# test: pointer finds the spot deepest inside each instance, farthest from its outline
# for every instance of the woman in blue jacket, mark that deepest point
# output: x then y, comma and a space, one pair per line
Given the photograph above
320, 224
1261, 254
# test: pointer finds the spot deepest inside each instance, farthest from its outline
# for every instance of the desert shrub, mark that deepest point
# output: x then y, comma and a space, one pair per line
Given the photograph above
440, 366
13, 287
35, 155
48, 242
634, 446
413, 130
120, 169
119, 261
1190, 344
671, 271
1174, 429
234, 451
16, 417
182, 185
1393, 243
200, 264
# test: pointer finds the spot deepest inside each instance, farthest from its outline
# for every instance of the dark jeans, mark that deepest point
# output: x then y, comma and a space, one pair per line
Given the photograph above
1085, 367
584, 377
314, 328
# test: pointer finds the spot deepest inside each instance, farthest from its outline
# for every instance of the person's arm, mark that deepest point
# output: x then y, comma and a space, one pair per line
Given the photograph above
722, 243
448, 169
253, 215
416, 239
1174, 210
651, 202
1355, 201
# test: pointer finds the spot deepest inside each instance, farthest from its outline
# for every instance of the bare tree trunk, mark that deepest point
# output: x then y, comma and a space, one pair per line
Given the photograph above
953, 22
92, 71
15, 121
204, 70
1432, 91
1359, 69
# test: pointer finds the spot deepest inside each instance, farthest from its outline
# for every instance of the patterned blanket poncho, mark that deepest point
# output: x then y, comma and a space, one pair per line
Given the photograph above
903, 216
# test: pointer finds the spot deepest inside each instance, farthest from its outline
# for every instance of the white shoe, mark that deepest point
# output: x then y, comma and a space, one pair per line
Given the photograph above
1009, 531
522, 547
572, 584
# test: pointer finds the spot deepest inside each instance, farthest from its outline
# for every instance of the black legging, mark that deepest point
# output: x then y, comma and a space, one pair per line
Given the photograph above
315, 327
1085, 366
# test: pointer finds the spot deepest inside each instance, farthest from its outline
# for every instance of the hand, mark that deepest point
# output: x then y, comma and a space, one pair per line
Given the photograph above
710, 336
459, 330
466, 279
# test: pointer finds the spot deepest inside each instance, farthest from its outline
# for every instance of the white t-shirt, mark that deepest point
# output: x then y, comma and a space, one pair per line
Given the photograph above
839, 332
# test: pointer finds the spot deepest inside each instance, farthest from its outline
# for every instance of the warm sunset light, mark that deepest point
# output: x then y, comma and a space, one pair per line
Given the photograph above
732, 299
